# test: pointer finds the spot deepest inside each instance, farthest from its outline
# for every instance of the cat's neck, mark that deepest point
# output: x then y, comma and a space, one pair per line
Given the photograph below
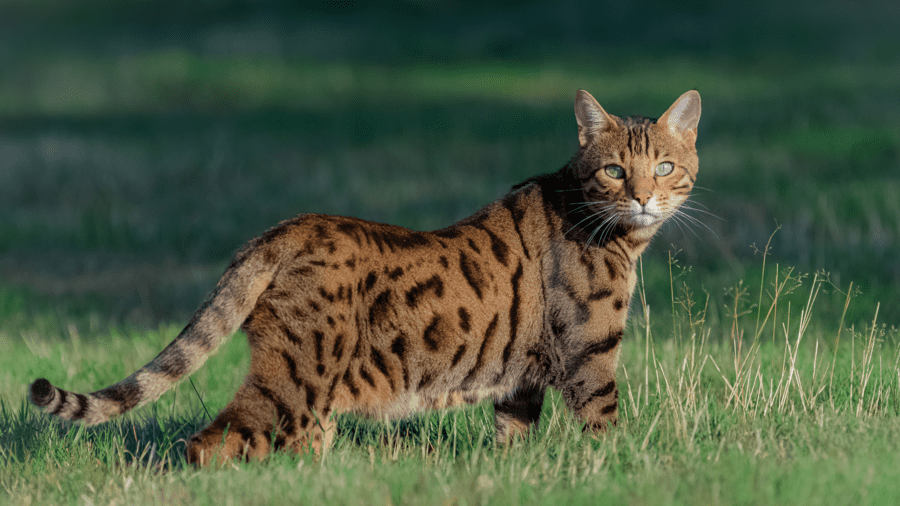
562, 203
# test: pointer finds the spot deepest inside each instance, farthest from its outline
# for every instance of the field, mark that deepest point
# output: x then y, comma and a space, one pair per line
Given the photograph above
142, 143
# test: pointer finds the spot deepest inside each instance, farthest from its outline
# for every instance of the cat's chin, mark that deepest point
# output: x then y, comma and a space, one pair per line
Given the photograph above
643, 226
643, 220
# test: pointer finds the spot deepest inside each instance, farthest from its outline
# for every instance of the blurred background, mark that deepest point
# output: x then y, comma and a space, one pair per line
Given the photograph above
142, 142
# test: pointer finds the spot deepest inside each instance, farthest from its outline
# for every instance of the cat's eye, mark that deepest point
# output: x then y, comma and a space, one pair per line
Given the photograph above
664, 169
615, 172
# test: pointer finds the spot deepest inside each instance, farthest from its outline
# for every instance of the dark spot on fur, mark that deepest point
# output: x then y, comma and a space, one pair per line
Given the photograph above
498, 247
127, 394
557, 325
610, 269
351, 231
458, 355
302, 271
465, 320
398, 346
351, 384
578, 361
370, 280
292, 368
599, 294
364, 374
379, 311
325, 294
338, 351
472, 272
433, 334
357, 349
448, 233
513, 317
310, 398
433, 284
425, 380
479, 360
381, 364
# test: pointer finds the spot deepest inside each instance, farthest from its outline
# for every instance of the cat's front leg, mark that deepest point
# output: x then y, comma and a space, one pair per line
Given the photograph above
589, 385
518, 413
598, 408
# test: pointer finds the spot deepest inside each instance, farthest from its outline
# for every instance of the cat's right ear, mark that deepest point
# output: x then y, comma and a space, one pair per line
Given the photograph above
592, 119
683, 116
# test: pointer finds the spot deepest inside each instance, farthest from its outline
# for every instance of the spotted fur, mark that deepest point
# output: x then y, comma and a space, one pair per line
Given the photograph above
342, 314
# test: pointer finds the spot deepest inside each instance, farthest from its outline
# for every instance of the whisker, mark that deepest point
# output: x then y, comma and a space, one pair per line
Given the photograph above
601, 213
702, 211
677, 219
695, 202
695, 221
586, 204
607, 226
597, 217
677, 222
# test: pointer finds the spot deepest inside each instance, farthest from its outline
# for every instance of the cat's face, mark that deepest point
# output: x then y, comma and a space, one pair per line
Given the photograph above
636, 172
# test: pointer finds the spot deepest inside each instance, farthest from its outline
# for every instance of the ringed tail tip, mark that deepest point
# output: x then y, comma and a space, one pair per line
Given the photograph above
41, 392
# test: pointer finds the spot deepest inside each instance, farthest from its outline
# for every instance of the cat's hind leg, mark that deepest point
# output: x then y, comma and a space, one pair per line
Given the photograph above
518, 413
258, 421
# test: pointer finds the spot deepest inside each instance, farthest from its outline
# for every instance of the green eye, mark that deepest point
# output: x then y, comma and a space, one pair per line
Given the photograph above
615, 172
664, 169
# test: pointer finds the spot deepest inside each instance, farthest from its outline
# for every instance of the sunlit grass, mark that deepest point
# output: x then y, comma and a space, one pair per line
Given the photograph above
767, 389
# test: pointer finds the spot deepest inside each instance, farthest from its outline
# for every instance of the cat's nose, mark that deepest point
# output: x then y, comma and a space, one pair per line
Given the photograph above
643, 197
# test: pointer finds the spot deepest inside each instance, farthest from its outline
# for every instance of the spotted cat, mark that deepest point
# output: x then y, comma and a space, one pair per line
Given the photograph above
342, 314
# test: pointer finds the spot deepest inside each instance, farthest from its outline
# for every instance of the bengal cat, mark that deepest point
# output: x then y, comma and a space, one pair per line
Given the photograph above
342, 314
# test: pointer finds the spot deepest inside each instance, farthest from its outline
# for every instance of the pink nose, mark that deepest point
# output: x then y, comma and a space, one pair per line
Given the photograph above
643, 197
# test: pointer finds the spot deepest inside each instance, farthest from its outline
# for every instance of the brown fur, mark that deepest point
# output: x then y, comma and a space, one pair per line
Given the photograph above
347, 315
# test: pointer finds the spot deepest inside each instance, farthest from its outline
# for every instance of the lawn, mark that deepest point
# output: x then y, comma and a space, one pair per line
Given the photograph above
141, 143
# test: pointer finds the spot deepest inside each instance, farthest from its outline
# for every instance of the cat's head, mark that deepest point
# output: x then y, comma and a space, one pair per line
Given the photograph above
636, 172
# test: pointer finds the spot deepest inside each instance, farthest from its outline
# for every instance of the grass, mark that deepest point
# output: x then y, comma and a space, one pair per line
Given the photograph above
141, 143
777, 409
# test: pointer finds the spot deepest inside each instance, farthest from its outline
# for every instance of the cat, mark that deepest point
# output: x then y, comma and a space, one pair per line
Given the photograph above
346, 315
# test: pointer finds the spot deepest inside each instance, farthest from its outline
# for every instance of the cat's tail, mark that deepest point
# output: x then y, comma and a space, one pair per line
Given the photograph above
234, 297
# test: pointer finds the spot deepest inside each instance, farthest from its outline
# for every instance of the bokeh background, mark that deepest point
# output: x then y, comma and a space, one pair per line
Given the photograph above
142, 142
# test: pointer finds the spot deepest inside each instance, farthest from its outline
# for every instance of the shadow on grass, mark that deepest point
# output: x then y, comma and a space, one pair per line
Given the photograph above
158, 441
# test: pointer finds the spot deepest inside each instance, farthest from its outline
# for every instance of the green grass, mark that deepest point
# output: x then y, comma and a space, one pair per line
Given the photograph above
789, 413
141, 143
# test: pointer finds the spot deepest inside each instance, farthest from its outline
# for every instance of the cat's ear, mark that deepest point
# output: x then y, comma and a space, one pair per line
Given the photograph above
683, 116
591, 117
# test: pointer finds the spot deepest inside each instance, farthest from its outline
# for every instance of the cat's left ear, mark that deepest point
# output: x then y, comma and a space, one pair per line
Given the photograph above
683, 116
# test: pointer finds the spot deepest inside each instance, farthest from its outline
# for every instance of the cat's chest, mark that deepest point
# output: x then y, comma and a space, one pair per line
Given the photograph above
588, 287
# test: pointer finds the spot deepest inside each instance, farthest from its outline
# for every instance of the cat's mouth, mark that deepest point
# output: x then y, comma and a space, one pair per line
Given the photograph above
639, 216
643, 219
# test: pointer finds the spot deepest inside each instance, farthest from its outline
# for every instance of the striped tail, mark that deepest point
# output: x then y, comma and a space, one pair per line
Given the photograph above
224, 310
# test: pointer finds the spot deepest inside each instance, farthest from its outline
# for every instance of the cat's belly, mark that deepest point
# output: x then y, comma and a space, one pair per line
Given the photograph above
407, 403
